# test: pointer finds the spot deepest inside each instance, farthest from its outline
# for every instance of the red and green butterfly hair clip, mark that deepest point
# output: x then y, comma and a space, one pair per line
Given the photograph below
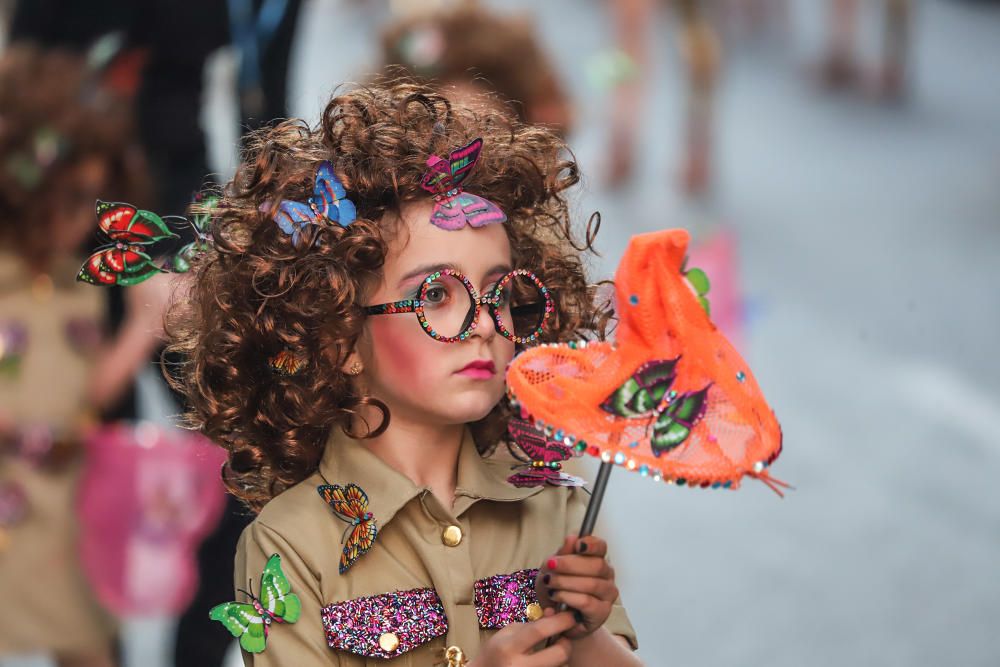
131, 231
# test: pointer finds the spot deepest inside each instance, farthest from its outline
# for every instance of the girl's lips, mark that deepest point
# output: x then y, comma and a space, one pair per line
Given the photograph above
479, 369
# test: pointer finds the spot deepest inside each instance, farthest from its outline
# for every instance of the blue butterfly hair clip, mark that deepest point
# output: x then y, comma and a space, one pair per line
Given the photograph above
329, 204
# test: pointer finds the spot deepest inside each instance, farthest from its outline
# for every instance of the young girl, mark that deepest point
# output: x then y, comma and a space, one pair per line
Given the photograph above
346, 340
63, 143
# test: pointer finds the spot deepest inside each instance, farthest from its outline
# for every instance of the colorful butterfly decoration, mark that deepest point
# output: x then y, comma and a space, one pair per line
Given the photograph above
329, 204
647, 394
453, 207
251, 622
286, 363
541, 457
124, 261
201, 223
350, 504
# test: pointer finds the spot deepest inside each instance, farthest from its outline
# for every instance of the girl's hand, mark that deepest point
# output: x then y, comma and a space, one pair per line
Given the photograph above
579, 576
514, 645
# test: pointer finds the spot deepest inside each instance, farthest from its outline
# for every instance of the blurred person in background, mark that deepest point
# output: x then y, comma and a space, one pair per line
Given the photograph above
465, 50
840, 67
163, 47
263, 32
701, 52
64, 142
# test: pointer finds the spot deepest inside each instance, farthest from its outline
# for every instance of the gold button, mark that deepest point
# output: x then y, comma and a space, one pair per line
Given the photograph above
389, 642
452, 536
533, 611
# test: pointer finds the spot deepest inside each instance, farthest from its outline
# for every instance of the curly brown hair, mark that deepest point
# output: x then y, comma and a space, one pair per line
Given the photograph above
53, 114
254, 294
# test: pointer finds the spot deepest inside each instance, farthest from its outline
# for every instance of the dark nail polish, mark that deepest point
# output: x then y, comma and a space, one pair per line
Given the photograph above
552, 592
546, 579
581, 547
578, 617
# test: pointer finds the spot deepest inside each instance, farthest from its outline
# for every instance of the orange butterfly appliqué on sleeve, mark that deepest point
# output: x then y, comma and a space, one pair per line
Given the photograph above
350, 505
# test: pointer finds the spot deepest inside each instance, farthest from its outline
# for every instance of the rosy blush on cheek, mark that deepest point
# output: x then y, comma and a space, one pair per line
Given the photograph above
404, 354
393, 348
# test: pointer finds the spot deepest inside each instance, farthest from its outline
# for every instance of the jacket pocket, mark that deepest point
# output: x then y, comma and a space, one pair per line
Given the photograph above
386, 625
506, 598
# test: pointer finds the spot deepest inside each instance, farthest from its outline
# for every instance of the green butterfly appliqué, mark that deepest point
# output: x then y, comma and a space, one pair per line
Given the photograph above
646, 394
250, 622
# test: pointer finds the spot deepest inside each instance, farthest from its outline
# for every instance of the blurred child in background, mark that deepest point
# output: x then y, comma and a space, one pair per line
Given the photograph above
701, 53
64, 141
467, 50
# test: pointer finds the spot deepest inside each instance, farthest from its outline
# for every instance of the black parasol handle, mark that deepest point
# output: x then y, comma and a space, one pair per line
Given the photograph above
590, 516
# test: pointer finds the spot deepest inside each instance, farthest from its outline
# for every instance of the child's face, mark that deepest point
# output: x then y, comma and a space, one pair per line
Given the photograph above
419, 378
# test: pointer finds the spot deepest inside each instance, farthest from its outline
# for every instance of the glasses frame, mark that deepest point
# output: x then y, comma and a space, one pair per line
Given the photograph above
491, 300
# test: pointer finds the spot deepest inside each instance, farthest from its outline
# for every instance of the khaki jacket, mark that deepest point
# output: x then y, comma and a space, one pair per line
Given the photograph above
434, 577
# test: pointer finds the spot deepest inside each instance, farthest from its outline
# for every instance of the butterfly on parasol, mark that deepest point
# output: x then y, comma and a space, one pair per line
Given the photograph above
541, 457
647, 394
670, 398
453, 207
125, 260
350, 504
251, 622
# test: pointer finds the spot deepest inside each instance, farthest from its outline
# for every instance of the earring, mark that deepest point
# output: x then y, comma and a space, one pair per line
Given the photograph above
355, 369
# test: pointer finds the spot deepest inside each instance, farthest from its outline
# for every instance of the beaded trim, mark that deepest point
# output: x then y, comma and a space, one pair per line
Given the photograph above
415, 617
504, 598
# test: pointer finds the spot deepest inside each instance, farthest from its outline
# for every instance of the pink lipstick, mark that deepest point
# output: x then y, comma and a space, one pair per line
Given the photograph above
479, 370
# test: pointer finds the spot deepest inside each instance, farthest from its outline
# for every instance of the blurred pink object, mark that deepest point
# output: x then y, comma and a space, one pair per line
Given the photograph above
717, 254
147, 498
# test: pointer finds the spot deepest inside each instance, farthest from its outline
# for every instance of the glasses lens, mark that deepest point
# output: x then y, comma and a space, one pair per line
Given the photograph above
521, 306
448, 306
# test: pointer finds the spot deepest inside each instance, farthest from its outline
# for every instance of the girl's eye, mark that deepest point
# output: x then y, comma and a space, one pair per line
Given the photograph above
436, 295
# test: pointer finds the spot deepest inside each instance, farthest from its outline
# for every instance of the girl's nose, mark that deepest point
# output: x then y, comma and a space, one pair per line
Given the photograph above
484, 325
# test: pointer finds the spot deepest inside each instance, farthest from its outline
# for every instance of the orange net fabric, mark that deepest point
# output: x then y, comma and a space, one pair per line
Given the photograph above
670, 398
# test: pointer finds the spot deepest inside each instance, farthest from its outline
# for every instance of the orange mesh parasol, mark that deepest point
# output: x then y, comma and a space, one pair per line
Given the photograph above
670, 398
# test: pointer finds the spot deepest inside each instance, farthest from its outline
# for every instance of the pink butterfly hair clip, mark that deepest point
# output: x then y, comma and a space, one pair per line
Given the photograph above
453, 207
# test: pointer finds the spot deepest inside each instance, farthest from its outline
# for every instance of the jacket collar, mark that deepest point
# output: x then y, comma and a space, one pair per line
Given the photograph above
347, 460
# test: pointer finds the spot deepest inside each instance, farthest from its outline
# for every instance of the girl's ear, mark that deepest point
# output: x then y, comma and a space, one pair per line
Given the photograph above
353, 365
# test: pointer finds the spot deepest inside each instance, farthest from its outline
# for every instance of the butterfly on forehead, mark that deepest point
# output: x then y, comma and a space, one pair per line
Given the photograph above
541, 457
350, 505
327, 205
453, 207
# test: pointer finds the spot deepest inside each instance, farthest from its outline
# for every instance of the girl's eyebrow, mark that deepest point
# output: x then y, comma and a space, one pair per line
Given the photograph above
427, 269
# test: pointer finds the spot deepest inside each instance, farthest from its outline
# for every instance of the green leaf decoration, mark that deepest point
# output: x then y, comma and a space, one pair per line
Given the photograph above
699, 281
642, 392
250, 621
701, 285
